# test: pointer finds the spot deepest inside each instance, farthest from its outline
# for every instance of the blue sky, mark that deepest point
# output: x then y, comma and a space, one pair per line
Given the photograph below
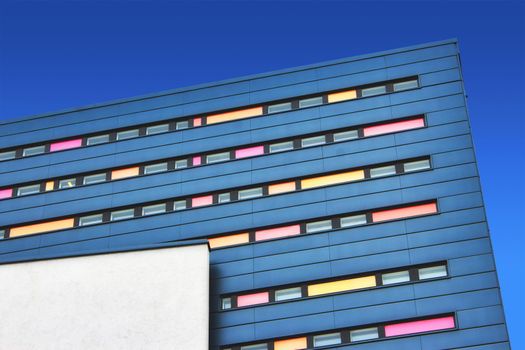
56, 55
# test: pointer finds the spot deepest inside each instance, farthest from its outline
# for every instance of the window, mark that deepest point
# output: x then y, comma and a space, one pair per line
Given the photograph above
200, 201
310, 102
327, 180
383, 171
281, 107
226, 303
313, 141
234, 115
319, 226
280, 147
341, 285
182, 125
182, 163
124, 173
393, 127
250, 193
249, 152
2, 234
63, 145
345, 135
395, 277
229, 240
406, 212
376, 90
6, 193
179, 205
253, 299
413, 327
224, 197
67, 183
154, 209
157, 129
217, 157
33, 151
155, 168
282, 187
122, 214
97, 140
277, 232
287, 294
41, 227
327, 339
7, 155
24, 191
432, 272
90, 220
342, 96
255, 347
353, 220
95, 178
417, 165
364, 334
128, 134
405, 85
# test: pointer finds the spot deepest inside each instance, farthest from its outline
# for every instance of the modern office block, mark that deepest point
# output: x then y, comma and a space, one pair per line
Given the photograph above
341, 201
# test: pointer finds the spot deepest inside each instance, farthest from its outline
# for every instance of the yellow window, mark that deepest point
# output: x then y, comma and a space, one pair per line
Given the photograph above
228, 240
39, 228
281, 188
50, 185
341, 286
332, 179
342, 96
290, 344
224, 117
123, 173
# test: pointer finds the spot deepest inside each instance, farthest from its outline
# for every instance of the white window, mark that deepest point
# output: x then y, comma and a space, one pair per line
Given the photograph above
226, 303
319, 226
95, 178
128, 134
289, 293
255, 347
353, 220
179, 205
281, 107
364, 334
90, 220
2, 234
182, 163
157, 129
7, 155
122, 214
432, 272
24, 191
396, 277
405, 85
376, 90
310, 102
313, 141
32, 151
383, 171
182, 125
154, 209
217, 157
417, 165
224, 197
67, 183
327, 339
155, 168
250, 193
280, 147
345, 135
96, 140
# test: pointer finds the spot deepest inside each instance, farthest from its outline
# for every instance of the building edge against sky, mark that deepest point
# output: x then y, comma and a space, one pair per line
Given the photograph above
375, 236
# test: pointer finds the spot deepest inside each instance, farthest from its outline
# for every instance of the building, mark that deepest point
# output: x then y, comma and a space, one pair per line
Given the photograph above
341, 200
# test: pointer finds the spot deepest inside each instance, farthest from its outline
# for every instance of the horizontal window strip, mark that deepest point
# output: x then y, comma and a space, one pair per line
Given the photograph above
368, 280
237, 194
356, 334
222, 155
182, 123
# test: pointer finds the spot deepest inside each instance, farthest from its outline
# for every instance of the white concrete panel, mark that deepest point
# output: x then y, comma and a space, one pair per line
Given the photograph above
147, 299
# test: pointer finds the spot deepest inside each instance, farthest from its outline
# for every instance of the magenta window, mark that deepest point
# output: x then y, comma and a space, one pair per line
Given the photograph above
252, 299
249, 152
200, 201
277, 232
413, 327
394, 127
7, 193
59, 146
197, 160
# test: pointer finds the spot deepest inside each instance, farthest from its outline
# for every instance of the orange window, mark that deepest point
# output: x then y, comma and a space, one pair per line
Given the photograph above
328, 180
50, 185
43, 227
342, 96
225, 241
405, 212
123, 173
290, 344
241, 114
281, 188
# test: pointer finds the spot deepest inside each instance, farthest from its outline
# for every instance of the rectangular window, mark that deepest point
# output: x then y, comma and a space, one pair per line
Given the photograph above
406, 212
230, 240
354, 220
67, 183
40, 228
327, 339
417, 165
24, 191
281, 188
155, 168
290, 344
414, 327
250, 193
2, 234
383, 171
122, 214
200, 201
395, 277
32, 151
376, 90
405, 85
313, 141
154, 209
196, 160
95, 178
97, 140
278, 232
317, 226
7, 155
432, 272
50, 185
6, 193
197, 122
226, 303
255, 347
127, 134
345, 135
179, 205
249, 152
182, 125
335, 179
342, 96
182, 163
393, 127
310, 102
124, 173
281, 107
364, 334
289, 293
90, 220
235, 115
63, 145
217, 157
281, 147
252, 299
341, 286
157, 129
224, 197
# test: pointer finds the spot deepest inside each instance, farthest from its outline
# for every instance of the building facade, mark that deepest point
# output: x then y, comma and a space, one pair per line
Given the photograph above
341, 201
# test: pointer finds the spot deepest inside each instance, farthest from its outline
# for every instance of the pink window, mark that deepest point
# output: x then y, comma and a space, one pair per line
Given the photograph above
394, 127
252, 299
249, 152
59, 146
405, 212
197, 122
419, 326
277, 232
197, 160
200, 201
6, 193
